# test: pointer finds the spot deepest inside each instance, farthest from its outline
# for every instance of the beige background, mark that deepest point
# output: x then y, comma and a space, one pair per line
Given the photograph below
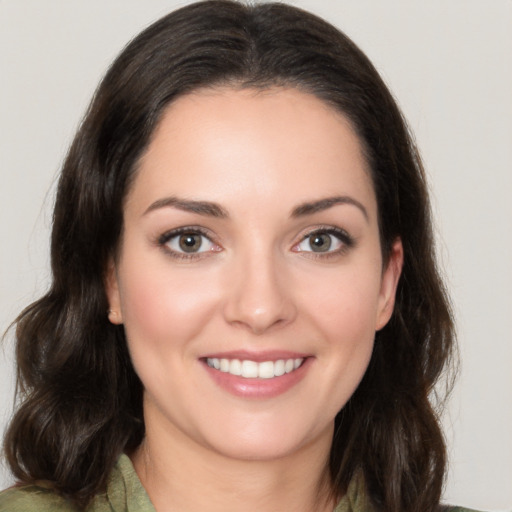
449, 62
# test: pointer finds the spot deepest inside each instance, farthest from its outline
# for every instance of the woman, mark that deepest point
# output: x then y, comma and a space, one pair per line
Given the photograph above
245, 299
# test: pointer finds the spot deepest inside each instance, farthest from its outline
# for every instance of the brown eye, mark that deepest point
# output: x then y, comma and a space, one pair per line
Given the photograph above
320, 242
190, 242
185, 242
328, 241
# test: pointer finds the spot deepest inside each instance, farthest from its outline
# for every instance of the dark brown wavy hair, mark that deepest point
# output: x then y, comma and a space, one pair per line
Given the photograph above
79, 399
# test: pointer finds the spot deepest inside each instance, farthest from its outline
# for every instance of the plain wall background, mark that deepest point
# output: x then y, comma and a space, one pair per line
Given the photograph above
449, 63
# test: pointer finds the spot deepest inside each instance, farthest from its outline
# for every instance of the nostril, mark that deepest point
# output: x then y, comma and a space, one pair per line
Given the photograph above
257, 297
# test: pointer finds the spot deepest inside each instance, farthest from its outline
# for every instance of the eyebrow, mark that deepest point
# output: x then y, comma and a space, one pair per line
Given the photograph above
210, 209
323, 204
188, 205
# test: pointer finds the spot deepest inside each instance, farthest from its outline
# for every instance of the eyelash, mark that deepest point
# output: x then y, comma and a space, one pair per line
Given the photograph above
164, 239
346, 240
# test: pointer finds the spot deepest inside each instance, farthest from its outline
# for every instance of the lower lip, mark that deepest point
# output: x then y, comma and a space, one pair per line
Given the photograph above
258, 388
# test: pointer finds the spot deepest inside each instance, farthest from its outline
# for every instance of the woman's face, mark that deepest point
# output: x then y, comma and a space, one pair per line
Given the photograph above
249, 278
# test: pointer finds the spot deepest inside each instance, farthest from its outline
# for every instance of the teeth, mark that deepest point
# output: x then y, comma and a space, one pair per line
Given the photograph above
234, 367
266, 370
279, 368
251, 369
223, 365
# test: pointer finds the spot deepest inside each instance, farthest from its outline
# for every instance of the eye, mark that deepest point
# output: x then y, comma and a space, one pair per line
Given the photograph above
187, 242
329, 240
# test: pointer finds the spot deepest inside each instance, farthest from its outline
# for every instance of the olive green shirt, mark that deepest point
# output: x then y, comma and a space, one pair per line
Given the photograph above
126, 494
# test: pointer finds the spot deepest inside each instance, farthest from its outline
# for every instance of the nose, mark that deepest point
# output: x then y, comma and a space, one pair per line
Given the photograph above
259, 294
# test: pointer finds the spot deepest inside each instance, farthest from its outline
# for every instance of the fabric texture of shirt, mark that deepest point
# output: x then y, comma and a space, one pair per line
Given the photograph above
125, 493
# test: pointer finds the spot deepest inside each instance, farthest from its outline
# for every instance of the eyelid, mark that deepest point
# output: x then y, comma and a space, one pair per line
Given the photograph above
163, 240
346, 240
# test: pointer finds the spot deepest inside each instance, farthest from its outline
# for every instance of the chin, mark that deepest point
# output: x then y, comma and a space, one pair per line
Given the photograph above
264, 443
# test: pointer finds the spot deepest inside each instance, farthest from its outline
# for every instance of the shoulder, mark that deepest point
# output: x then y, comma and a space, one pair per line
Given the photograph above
30, 498
457, 509
125, 493
356, 499
40, 498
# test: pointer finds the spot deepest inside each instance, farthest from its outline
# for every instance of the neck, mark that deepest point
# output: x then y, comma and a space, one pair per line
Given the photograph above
181, 475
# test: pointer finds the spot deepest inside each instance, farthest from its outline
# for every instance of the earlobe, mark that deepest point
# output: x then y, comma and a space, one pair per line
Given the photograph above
114, 312
389, 284
114, 317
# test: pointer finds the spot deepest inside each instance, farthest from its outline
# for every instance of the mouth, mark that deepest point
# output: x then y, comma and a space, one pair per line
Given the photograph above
249, 369
259, 376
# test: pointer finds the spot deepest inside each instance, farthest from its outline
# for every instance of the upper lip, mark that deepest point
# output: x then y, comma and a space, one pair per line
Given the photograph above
258, 357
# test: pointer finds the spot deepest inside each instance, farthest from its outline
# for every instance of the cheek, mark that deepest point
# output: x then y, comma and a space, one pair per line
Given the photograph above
346, 317
347, 303
164, 307
344, 311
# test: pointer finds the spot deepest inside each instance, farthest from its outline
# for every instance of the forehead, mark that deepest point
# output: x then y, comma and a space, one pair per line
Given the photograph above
221, 142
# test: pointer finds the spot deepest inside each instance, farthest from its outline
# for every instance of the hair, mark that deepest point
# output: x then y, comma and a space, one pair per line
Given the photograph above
80, 401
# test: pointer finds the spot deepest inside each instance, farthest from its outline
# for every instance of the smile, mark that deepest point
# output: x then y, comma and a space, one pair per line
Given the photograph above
252, 369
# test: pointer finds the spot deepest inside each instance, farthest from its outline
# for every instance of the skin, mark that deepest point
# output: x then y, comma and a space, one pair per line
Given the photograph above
256, 285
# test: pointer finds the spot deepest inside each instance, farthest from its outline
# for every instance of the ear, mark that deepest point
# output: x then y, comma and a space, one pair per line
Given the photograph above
389, 284
115, 314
